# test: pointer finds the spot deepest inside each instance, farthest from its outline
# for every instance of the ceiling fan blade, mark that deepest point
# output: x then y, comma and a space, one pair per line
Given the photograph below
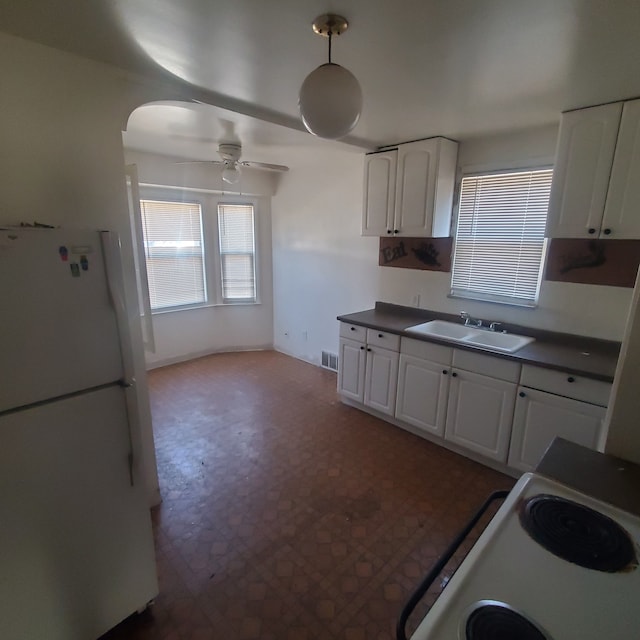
200, 162
263, 165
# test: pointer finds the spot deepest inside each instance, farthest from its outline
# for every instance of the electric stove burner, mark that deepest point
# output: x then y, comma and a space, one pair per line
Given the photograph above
577, 533
493, 620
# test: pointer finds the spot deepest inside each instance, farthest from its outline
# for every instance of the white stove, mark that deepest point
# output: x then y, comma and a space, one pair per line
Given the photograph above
509, 573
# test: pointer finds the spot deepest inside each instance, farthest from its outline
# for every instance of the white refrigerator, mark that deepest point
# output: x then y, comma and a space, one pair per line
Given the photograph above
76, 545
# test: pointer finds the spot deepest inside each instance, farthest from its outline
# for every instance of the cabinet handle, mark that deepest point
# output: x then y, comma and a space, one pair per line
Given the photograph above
362, 348
607, 232
396, 231
571, 379
444, 372
522, 394
368, 349
352, 328
592, 230
381, 335
389, 231
454, 375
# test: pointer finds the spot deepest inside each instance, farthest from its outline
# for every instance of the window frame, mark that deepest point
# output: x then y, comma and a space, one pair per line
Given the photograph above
544, 164
220, 293
205, 274
208, 202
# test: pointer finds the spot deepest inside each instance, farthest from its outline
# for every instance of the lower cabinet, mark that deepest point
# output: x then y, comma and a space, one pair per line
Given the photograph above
423, 385
351, 363
491, 406
479, 413
367, 372
541, 416
380, 378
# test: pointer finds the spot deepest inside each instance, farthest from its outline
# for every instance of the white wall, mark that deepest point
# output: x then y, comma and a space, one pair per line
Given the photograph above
190, 333
324, 268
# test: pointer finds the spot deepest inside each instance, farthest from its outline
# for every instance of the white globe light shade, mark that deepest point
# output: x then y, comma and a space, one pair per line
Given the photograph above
330, 101
231, 174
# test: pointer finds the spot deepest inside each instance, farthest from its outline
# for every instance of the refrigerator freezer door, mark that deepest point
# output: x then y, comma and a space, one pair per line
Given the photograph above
76, 547
59, 331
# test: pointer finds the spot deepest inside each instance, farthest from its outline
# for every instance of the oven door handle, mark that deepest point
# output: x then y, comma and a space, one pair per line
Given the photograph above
441, 563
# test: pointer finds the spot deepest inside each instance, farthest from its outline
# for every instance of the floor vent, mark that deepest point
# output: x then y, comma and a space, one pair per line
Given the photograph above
330, 360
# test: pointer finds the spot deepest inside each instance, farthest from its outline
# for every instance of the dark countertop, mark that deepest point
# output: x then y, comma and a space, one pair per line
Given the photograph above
579, 355
602, 476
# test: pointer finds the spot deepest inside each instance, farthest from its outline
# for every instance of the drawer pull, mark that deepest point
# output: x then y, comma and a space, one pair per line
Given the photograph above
352, 328
454, 375
522, 394
362, 347
381, 335
571, 379
444, 372
368, 349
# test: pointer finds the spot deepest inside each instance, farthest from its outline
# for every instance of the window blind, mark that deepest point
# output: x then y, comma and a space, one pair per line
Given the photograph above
237, 252
499, 243
174, 253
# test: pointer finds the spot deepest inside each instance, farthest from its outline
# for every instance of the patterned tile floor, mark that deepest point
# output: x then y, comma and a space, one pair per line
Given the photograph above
287, 515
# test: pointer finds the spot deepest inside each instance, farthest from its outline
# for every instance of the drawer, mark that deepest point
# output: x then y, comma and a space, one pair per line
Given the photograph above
566, 384
383, 339
426, 350
353, 332
487, 365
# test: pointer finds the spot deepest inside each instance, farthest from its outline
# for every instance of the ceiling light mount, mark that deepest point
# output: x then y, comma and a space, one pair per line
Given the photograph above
330, 98
330, 24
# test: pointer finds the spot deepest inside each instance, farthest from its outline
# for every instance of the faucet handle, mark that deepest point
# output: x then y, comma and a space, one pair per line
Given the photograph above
464, 315
494, 325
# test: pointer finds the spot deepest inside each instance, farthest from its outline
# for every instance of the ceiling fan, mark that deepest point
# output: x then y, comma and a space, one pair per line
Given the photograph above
230, 154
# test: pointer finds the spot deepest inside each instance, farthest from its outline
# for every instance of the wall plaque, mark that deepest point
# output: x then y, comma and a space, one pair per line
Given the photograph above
607, 262
429, 254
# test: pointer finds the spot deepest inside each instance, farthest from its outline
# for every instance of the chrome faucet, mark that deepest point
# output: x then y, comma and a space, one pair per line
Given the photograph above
494, 326
469, 321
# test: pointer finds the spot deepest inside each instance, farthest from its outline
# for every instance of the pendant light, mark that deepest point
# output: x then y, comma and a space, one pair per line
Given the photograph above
330, 98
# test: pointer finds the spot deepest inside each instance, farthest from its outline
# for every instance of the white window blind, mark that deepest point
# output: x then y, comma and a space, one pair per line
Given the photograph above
237, 252
174, 253
499, 242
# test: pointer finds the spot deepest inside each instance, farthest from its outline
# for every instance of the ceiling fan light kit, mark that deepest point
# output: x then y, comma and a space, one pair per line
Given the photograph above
330, 99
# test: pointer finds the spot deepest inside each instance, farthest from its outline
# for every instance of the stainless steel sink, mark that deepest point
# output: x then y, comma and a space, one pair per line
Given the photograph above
503, 342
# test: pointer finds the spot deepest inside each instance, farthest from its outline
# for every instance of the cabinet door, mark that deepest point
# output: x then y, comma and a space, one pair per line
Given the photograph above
479, 413
381, 378
379, 193
621, 218
540, 417
415, 188
422, 393
351, 368
584, 157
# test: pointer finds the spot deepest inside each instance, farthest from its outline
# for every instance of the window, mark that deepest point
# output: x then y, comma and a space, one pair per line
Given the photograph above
197, 253
174, 253
499, 241
237, 252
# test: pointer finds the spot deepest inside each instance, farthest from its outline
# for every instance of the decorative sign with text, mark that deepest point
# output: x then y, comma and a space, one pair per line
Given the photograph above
607, 262
429, 254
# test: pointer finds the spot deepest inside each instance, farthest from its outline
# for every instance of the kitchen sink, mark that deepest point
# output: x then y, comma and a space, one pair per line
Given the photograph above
503, 342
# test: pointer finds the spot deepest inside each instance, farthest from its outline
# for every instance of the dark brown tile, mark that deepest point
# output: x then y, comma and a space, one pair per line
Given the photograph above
288, 515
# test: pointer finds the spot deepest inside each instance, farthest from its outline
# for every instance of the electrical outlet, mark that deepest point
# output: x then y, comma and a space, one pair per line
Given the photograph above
415, 301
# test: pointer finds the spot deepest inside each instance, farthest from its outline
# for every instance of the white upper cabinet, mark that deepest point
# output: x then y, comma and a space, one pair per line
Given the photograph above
409, 191
594, 193
621, 214
379, 192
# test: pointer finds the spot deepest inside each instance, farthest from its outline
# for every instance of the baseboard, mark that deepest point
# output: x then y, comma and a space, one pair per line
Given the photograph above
165, 362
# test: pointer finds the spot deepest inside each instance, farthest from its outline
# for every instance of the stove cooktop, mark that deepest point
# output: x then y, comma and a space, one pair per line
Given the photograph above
572, 575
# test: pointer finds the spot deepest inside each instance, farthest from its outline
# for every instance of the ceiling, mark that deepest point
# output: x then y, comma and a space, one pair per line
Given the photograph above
460, 68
